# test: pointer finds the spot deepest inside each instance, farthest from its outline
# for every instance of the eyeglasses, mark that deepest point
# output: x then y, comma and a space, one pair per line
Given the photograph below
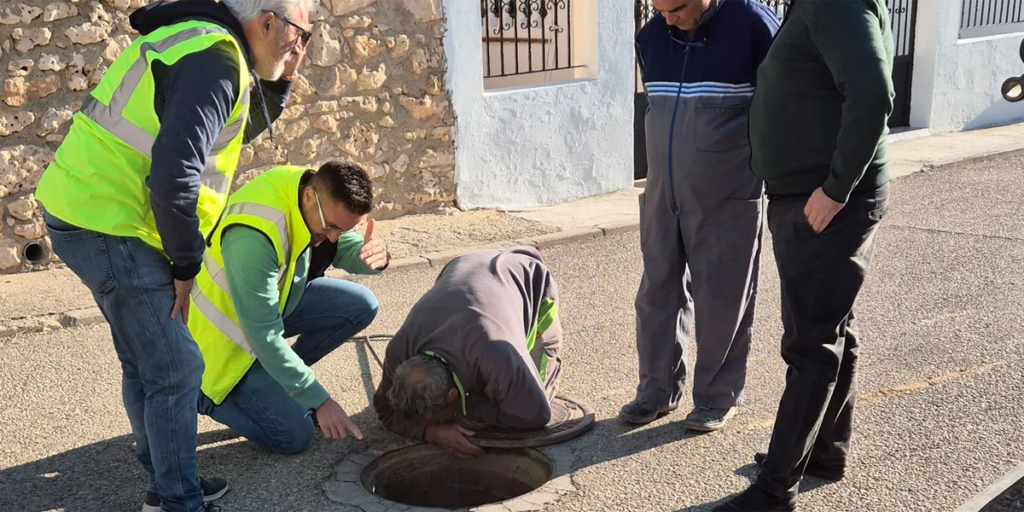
321, 211
305, 35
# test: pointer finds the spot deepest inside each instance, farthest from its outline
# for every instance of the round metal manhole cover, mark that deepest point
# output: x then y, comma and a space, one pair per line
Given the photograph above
570, 419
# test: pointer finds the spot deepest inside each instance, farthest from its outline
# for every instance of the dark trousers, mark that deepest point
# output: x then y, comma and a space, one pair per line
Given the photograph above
821, 275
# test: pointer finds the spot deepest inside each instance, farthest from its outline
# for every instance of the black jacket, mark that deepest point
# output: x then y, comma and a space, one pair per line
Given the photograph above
194, 98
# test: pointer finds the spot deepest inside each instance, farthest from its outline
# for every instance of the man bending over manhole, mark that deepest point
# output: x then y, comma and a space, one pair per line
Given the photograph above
481, 343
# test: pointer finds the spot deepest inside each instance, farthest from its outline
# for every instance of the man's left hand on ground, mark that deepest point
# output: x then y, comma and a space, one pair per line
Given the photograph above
374, 253
820, 210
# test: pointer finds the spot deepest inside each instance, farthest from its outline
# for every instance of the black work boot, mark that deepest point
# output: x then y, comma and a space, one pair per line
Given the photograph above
639, 412
815, 468
756, 499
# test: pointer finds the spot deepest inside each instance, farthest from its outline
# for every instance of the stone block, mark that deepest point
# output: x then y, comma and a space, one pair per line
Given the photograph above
356, 22
115, 46
21, 166
343, 7
43, 87
9, 18
20, 67
324, 49
14, 92
59, 11
50, 62
371, 80
387, 122
27, 13
23, 208
31, 230
28, 38
423, 108
10, 254
400, 48
88, 32
14, 123
78, 82
424, 10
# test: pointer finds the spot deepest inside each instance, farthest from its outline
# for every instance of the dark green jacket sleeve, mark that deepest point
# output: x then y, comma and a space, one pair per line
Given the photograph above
848, 34
250, 263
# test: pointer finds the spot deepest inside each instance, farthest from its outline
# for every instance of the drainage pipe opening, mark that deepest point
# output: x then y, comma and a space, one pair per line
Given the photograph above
426, 476
34, 253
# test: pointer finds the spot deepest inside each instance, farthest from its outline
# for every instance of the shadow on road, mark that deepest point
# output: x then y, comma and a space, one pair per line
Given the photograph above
105, 476
611, 440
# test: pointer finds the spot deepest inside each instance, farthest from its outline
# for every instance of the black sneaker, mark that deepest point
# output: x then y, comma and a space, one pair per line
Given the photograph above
755, 499
639, 412
815, 468
213, 489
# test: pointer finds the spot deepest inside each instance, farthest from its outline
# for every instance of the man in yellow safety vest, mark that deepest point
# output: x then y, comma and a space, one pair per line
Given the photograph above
263, 280
139, 183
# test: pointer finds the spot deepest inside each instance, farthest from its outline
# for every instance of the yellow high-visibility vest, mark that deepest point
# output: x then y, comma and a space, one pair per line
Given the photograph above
97, 180
270, 204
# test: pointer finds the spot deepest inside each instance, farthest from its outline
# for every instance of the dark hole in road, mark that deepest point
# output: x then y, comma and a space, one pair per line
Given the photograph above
425, 476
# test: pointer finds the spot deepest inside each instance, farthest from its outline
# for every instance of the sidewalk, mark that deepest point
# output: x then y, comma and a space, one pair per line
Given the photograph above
56, 299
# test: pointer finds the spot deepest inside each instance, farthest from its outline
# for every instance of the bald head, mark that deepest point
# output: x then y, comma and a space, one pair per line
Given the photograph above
420, 387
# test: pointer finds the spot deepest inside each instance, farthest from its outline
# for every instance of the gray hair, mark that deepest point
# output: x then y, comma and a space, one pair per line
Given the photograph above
420, 387
246, 10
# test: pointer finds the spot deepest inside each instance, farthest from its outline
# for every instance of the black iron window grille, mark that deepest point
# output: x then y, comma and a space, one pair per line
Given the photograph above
987, 13
526, 36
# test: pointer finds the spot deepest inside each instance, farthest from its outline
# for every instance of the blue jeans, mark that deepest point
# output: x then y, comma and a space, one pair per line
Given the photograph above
330, 312
160, 362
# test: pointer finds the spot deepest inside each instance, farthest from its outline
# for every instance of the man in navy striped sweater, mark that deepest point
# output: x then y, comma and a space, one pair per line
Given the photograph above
701, 215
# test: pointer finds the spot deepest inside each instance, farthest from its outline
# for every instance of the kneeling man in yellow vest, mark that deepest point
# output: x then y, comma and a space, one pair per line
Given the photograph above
263, 280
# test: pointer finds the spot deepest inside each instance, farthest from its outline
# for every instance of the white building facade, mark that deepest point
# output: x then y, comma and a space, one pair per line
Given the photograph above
548, 106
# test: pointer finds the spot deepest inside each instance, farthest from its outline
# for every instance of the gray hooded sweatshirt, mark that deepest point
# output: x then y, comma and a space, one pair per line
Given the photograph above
492, 316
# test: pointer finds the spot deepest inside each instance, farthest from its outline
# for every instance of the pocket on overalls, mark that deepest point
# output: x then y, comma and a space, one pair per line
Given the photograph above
722, 127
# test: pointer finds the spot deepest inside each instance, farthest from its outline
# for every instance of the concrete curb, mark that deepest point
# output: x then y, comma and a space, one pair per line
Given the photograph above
982, 499
92, 316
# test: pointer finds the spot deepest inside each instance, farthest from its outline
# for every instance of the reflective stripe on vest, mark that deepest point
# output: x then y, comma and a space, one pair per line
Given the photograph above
230, 328
268, 204
109, 116
98, 177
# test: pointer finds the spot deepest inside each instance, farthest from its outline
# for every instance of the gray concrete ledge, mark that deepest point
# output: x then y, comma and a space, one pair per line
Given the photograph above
993, 491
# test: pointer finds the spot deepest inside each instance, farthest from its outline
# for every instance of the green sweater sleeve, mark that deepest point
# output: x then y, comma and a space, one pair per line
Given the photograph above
848, 35
347, 257
250, 263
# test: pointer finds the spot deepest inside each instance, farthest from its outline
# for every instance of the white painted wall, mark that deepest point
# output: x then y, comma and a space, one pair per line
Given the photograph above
956, 83
543, 144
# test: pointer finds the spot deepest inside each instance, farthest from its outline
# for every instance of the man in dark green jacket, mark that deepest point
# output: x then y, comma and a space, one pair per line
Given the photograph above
817, 133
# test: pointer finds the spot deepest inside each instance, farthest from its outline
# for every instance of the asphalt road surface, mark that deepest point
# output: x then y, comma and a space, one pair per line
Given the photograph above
941, 413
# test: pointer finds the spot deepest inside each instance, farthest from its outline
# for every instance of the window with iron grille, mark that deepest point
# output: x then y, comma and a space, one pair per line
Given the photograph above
530, 37
986, 17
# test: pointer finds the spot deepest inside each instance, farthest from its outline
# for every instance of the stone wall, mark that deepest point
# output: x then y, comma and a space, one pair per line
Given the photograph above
372, 91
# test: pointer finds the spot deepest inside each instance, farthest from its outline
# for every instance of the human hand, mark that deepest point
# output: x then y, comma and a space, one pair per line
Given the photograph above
182, 289
820, 209
374, 253
334, 422
291, 65
452, 438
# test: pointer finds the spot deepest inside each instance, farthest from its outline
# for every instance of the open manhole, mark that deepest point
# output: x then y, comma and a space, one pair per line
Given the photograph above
426, 476
570, 418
